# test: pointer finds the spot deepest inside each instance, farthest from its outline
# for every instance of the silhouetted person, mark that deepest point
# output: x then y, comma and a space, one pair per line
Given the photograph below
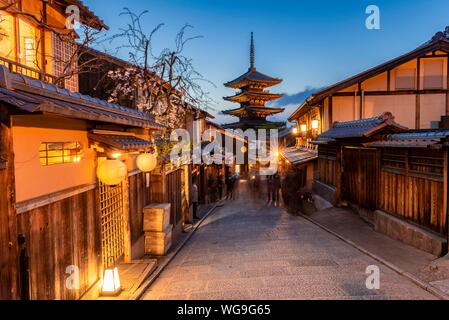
211, 190
220, 187
270, 188
195, 199
276, 189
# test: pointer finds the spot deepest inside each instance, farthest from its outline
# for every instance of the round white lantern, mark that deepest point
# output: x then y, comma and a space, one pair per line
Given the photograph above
112, 172
147, 162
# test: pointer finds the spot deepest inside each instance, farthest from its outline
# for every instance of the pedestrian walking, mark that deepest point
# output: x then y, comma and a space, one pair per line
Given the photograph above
220, 186
235, 187
211, 190
195, 199
276, 189
269, 188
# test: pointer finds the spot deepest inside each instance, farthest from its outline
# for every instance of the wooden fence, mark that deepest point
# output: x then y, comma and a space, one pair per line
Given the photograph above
327, 172
60, 235
412, 186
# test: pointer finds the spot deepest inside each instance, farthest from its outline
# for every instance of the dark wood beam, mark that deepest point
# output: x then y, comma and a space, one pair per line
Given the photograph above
392, 93
389, 80
447, 87
418, 95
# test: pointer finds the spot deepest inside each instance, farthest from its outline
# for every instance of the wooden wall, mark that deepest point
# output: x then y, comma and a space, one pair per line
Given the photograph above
61, 234
360, 177
138, 199
412, 186
8, 235
327, 172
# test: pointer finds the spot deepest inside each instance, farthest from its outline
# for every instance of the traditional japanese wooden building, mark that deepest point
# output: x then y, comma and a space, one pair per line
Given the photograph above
58, 216
413, 86
252, 98
395, 178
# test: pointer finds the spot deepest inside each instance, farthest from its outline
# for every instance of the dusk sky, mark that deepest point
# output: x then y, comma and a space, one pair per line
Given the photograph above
309, 44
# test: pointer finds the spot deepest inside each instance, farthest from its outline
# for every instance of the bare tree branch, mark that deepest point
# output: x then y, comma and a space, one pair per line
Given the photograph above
167, 81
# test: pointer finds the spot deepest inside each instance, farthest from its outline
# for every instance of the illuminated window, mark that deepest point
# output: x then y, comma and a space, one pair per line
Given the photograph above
405, 79
51, 153
30, 55
433, 74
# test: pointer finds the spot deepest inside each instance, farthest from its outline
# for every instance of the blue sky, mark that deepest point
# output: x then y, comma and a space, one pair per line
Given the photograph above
309, 44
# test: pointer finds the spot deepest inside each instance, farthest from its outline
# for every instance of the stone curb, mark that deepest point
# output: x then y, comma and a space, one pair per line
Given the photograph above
422, 284
137, 295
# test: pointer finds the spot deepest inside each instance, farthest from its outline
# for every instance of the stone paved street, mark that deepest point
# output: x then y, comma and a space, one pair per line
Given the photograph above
250, 250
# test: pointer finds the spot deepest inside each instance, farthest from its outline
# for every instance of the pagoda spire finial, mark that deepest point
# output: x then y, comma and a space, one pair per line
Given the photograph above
252, 54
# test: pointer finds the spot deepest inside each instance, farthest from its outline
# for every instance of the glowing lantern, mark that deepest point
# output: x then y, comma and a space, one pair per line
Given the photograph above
303, 128
315, 124
295, 130
111, 172
111, 283
147, 162
243, 149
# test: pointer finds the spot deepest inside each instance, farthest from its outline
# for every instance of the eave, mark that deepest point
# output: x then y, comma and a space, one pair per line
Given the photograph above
436, 45
249, 96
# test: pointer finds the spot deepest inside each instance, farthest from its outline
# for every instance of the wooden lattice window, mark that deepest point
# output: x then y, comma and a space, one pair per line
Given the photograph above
426, 163
65, 61
111, 211
327, 152
51, 153
394, 160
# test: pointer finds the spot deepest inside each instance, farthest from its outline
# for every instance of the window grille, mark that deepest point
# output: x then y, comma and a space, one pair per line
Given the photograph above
63, 55
51, 153
111, 212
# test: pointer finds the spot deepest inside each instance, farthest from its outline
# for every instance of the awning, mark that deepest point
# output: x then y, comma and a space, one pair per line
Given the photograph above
360, 129
28, 95
128, 143
299, 155
413, 139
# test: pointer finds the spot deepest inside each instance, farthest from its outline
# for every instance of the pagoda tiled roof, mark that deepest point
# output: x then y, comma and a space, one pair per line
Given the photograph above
253, 76
249, 95
253, 110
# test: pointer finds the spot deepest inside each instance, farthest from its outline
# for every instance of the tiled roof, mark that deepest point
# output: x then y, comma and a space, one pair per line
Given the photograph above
87, 15
360, 128
412, 139
299, 155
253, 75
35, 96
121, 142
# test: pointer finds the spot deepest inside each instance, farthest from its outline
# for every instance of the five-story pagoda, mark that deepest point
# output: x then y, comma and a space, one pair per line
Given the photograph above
252, 98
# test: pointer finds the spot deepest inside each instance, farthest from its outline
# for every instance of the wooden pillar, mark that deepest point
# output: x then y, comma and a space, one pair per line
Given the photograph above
389, 80
418, 96
127, 242
447, 87
361, 101
446, 190
340, 172
331, 115
8, 223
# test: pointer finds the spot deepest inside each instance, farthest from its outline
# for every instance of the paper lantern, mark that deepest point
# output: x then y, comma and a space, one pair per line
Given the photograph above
111, 283
315, 124
295, 130
111, 172
303, 128
147, 162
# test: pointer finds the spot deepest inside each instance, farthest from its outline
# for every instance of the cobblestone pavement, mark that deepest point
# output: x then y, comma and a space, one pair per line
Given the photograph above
250, 250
